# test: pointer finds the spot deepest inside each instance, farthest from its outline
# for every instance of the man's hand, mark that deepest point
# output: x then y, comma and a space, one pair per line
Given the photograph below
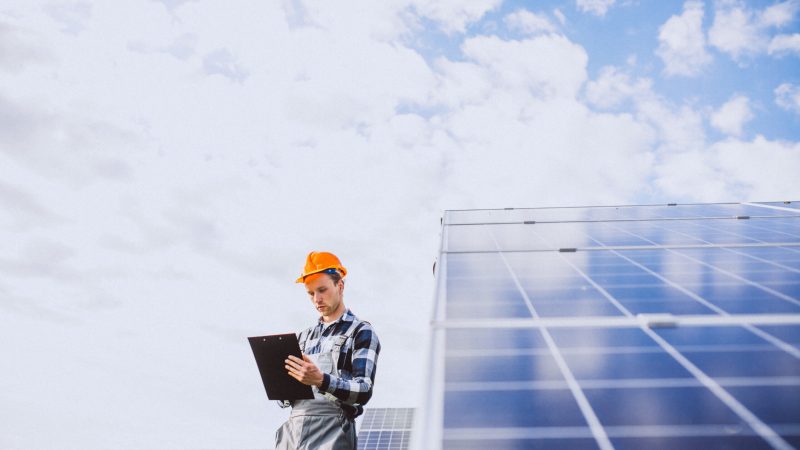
304, 371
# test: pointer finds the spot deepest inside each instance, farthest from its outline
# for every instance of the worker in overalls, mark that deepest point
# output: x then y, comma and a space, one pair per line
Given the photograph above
340, 355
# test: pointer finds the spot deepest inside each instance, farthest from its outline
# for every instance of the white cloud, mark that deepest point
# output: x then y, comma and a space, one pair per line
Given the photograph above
513, 114
149, 198
596, 7
454, 15
529, 23
732, 116
182, 47
548, 65
560, 16
784, 43
71, 16
735, 30
222, 62
779, 14
744, 32
613, 87
682, 42
20, 47
760, 169
787, 96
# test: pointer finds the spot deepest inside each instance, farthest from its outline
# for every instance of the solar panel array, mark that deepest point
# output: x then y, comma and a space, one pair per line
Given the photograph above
658, 326
385, 428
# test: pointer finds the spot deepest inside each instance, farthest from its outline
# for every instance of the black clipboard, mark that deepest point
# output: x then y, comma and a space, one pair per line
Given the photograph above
271, 353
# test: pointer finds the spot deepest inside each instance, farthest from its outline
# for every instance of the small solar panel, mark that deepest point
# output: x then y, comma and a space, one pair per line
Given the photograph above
384, 439
662, 327
385, 428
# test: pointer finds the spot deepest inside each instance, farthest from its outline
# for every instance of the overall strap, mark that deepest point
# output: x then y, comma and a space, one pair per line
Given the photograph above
342, 338
302, 340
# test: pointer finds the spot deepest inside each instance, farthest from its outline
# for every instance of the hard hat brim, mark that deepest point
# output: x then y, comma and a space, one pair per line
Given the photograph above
303, 277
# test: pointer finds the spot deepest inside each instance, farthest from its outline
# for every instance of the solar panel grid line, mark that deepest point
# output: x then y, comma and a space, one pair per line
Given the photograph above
626, 211
651, 219
781, 232
744, 413
765, 431
777, 342
726, 272
704, 225
478, 434
599, 288
387, 419
759, 381
684, 430
428, 424
737, 234
761, 205
678, 206
647, 219
619, 321
791, 245
608, 350
628, 383
774, 231
783, 221
615, 431
757, 246
658, 205
766, 261
583, 403
384, 440
517, 433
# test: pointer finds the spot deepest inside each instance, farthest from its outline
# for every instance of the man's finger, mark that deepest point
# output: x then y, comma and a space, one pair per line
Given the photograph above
295, 359
294, 364
305, 358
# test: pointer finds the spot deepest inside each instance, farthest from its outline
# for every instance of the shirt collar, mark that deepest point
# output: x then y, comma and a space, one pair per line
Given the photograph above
346, 316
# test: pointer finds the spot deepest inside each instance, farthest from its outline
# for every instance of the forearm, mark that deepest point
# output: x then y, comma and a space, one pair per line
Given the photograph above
353, 391
354, 386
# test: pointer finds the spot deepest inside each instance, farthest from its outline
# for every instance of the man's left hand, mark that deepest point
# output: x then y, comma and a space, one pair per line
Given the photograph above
303, 370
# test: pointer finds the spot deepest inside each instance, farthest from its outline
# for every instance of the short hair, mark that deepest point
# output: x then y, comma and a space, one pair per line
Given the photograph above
335, 275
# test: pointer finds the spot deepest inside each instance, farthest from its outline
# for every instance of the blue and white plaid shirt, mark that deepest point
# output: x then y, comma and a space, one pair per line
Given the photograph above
358, 360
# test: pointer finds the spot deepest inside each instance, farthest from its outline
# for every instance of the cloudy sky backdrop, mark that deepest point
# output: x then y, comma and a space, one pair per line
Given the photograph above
165, 166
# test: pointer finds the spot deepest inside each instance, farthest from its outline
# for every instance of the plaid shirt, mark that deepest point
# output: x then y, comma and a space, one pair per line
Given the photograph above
358, 360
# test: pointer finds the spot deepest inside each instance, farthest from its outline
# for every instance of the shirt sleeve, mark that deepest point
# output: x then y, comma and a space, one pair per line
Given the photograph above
358, 388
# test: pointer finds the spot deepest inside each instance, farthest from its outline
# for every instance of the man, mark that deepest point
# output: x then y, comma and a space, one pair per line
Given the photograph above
340, 354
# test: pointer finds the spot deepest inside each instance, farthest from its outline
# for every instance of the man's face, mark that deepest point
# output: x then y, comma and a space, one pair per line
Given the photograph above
325, 295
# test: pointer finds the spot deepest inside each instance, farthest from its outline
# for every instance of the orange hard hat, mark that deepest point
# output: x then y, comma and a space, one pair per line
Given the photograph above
319, 262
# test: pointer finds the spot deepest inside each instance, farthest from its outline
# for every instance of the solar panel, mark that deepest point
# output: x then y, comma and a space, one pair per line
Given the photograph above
654, 326
385, 428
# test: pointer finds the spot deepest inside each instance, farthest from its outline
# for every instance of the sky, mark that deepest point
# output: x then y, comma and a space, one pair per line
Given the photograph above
165, 167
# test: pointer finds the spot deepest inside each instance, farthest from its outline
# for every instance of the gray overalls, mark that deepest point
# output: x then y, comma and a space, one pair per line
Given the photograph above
319, 423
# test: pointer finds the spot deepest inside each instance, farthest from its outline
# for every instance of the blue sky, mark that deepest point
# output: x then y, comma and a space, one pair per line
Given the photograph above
165, 166
629, 30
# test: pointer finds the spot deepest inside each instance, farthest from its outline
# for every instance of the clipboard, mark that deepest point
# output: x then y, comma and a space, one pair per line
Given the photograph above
270, 353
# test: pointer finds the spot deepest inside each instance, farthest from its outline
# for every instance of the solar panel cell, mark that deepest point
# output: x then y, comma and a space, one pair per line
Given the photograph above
773, 404
511, 408
501, 368
660, 406
790, 334
749, 363
520, 444
723, 442
385, 428
555, 355
624, 366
